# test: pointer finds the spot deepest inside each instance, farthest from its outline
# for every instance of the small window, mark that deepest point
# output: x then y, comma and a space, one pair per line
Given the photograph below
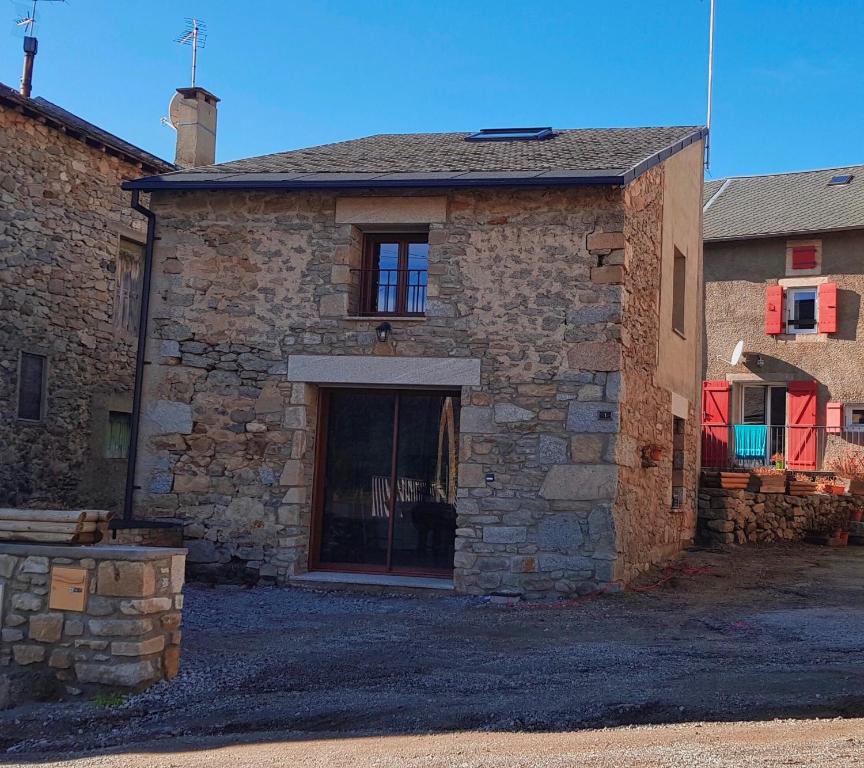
678, 442
31, 386
395, 274
117, 435
679, 287
841, 180
127, 294
802, 310
855, 417
511, 134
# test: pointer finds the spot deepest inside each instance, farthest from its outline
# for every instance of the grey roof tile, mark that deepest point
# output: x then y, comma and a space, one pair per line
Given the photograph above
441, 157
787, 203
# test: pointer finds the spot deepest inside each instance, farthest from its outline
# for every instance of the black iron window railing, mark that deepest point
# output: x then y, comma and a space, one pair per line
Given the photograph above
393, 291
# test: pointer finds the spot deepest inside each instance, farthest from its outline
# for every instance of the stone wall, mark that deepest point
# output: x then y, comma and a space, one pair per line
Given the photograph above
744, 517
127, 636
526, 282
61, 216
648, 528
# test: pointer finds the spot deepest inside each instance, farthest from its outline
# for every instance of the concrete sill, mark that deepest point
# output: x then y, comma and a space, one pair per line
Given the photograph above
374, 580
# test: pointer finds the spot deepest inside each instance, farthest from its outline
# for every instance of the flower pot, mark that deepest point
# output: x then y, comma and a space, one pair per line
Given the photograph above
734, 481
837, 490
839, 539
801, 488
856, 486
857, 514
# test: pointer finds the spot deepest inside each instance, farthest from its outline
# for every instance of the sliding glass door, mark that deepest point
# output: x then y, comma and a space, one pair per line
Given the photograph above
385, 496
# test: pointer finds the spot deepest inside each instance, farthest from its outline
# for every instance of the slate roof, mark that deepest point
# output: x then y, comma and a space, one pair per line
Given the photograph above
742, 207
576, 156
81, 129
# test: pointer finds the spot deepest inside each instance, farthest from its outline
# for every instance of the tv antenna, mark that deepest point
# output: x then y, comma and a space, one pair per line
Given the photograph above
25, 21
195, 36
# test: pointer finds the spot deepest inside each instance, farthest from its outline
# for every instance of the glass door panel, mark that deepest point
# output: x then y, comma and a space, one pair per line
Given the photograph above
355, 516
424, 526
365, 476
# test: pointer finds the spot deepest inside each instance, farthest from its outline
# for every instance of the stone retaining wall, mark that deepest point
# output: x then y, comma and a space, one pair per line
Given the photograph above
127, 636
741, 517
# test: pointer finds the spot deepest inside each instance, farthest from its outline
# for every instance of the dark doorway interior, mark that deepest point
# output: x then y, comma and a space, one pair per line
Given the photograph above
385, 496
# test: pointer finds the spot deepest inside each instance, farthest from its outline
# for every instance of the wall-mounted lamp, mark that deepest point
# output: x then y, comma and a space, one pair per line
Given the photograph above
760, 361
383, 331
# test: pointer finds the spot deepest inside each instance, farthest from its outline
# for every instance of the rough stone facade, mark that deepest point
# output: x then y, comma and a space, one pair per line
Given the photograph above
62, 215
533, 284
744, 517
127, 636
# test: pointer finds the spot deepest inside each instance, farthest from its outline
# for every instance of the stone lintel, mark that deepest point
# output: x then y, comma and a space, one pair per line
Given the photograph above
391, 210
392, 371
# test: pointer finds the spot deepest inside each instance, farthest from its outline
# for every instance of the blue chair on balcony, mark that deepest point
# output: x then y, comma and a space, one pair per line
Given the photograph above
751, 442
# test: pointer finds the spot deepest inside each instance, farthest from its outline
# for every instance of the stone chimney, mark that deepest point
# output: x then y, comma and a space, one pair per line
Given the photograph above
194, 117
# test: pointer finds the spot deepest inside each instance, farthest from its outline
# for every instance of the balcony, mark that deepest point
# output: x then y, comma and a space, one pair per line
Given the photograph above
800, 448
392, 292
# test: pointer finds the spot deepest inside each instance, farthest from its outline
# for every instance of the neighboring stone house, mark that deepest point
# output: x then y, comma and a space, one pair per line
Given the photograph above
459, 356
70, 265
784, 273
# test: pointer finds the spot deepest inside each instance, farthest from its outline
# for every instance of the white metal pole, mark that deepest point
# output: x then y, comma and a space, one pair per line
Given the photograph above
710, 84
195, 49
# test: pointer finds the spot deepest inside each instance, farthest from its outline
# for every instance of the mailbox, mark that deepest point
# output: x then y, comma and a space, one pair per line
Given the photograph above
68, 589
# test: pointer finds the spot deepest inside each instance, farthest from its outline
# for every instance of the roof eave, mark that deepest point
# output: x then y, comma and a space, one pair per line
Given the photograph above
161, 184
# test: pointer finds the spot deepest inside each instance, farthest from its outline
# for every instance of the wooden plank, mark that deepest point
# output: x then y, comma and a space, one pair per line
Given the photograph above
46, 538
52, 515
39, 526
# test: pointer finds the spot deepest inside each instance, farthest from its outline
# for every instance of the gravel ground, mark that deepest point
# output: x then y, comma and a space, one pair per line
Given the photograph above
756, 634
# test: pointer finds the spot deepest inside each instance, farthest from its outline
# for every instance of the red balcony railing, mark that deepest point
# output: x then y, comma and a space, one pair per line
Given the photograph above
803, 448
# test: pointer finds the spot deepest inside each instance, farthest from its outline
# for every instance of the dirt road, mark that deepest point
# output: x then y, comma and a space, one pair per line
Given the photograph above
812, 743
756, 634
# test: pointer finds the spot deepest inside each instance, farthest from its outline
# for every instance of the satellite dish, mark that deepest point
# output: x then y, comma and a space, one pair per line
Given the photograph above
173, 119
737, 353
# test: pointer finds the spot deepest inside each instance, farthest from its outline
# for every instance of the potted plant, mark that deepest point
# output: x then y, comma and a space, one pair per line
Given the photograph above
849, 465
831, 529
768, 480
778, 460
802, 485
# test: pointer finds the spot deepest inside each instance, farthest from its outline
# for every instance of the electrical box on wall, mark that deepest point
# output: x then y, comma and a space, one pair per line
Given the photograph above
68, 589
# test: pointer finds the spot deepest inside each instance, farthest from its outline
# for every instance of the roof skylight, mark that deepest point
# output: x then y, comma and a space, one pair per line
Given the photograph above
837, 181
511, 134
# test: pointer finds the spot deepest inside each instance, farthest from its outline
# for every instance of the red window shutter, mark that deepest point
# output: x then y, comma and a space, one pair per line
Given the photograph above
828, 308
834, 418
801, 443
774, 309
804, 257
715, 423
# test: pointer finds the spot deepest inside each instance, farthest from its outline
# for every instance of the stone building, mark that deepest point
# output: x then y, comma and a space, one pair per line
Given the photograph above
70, 266
455, 356
784, 274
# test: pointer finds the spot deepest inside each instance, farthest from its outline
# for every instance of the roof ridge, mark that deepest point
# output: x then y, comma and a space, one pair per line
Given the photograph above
788, 173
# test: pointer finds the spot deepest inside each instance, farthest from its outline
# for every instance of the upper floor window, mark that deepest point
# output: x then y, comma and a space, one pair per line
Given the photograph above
31, 386
395, 274
117, 435
679, 284
802, 308
127, 294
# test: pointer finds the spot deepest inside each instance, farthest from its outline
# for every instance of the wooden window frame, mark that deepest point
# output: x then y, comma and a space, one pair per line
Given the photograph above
127, 302
369, 283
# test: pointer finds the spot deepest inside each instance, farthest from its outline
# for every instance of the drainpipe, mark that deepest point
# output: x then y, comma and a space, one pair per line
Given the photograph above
139, 355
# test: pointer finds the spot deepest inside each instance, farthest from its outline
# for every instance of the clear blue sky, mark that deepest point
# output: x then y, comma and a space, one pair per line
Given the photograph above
789, 85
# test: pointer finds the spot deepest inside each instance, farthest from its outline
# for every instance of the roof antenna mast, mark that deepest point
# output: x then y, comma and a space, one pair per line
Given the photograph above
26, 21
194, 36
710, 85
